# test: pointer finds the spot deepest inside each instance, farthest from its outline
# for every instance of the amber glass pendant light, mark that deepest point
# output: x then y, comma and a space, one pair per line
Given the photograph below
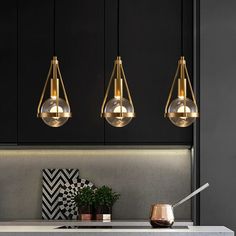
182, 111
118, 111
54, 111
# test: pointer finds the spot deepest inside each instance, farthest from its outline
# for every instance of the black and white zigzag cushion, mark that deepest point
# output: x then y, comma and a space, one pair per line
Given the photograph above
66, 197
52, 181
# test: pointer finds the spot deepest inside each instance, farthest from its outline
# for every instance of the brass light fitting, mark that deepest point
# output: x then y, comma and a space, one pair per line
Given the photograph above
182, 111
118, 111
54, 111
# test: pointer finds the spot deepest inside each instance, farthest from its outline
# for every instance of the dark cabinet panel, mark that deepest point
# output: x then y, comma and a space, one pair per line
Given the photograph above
217, 152
80, 51
86, 48
8, 68
150, 48
80, 45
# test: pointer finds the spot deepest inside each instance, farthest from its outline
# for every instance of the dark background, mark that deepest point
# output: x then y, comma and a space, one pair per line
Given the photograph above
86, 49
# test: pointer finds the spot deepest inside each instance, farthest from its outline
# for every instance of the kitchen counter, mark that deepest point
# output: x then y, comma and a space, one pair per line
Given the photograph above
21, 228
125, 223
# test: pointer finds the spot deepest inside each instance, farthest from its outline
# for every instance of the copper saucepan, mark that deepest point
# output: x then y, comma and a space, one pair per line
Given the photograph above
162, 215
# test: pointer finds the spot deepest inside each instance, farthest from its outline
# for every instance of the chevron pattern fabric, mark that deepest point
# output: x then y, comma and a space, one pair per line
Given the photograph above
53, 180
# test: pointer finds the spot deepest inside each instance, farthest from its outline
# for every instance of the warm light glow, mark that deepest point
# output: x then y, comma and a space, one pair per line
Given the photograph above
120, 109
182, 106
54, 110
115, 106
53, 106
183, 109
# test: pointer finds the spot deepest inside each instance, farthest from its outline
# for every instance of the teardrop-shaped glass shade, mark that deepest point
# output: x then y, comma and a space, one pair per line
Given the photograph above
114, 106
50, 106
177, 106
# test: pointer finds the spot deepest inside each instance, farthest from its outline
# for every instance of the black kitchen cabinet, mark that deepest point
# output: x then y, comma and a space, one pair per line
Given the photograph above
8, 68
86, 50
150, 48
80, 51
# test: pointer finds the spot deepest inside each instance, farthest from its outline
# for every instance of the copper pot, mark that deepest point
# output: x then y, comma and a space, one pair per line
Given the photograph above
162, 215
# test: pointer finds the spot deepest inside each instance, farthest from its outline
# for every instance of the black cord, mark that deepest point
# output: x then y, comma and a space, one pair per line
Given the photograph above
54, 27
118, 27
104, 69
17, 69
182, 28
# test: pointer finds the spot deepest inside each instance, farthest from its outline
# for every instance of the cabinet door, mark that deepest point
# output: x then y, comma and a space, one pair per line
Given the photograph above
150, 49
8, 68
80, 51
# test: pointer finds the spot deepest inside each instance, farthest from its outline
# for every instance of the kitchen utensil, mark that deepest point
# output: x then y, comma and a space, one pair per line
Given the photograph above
162, 215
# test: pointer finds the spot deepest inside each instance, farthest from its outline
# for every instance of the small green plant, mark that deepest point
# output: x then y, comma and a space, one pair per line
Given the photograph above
84, 197
105, 197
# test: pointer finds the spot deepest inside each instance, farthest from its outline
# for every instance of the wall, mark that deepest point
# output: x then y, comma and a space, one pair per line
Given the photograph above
142, 176
217, 131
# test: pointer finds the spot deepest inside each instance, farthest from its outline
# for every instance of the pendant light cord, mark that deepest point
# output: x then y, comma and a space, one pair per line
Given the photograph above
54, 27
118, 27
182, 28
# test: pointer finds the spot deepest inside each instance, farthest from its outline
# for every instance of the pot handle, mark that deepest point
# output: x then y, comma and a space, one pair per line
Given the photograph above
191, 195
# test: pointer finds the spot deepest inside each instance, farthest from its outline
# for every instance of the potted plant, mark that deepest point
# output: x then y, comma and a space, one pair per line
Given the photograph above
104, 199
84, 199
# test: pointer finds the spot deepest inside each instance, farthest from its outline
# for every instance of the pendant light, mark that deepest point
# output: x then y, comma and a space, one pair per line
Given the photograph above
182, 111
118, 111
55, 111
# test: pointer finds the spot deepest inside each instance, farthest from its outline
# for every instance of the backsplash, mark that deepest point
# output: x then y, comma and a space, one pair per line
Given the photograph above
142, 176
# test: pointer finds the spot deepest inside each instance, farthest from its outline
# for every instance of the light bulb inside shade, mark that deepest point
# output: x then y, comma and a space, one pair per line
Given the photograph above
114, 106
55, 109
50, 106
120, 109
183, 109
177, 106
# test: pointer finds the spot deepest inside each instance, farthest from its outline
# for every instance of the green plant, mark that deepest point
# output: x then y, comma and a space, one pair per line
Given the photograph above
105, 197
84, 197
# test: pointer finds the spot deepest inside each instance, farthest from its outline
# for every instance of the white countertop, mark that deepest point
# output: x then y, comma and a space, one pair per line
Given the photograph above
139, 228
125, 223
48, 229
